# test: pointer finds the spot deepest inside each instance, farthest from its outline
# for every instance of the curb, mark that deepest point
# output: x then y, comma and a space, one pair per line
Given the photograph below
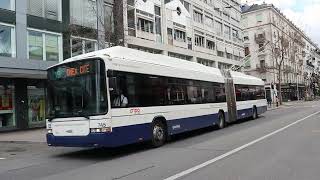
23, 142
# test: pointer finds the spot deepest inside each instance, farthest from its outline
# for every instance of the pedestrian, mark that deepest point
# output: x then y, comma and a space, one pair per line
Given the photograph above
269, 100
277, 101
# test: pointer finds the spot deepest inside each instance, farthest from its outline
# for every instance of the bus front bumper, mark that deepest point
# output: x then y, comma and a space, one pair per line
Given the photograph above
118, 137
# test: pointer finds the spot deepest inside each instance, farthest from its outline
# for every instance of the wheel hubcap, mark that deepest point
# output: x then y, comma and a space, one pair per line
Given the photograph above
158, 133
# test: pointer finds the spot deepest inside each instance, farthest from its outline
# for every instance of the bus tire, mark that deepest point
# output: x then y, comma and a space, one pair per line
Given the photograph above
222, 120
159, 134
254, 113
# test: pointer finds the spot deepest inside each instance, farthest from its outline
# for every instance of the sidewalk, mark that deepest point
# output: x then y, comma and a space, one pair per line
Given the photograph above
32, 136
273, 107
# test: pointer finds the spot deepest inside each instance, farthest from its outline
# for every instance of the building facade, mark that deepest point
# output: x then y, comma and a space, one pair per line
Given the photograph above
203, 31
276, 46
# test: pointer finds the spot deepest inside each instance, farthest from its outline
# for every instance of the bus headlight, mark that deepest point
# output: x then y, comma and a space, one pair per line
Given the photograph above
49, 131
100, 130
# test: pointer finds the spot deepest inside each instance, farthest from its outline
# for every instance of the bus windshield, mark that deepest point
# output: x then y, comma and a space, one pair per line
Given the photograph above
77, 89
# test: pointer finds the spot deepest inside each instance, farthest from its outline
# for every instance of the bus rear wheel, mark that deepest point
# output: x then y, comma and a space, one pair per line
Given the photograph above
222, 121
159, 134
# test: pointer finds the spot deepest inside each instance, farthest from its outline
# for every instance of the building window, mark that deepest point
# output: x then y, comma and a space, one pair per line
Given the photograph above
131, 21
157, 10
83, 13
259, 18
210, 45
52, 47
44, 46
7, 4
179, 56
206, 62
209, 21
227, 32
235, 34
35, 40
81, 46
108, 19
197, 16
220, 53
179, 35
246, 51
199, 41
218, 27
229, 55
145, 25
50, 9
7, 41
187, 6
223, 66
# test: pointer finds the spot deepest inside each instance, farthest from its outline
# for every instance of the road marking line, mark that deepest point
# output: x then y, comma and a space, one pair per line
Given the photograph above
2, 158
207, 163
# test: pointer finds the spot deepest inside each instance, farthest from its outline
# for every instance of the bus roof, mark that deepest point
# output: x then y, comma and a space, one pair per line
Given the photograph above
131, 60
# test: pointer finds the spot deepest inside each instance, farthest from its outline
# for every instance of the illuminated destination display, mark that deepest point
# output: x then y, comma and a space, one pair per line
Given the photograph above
73, 69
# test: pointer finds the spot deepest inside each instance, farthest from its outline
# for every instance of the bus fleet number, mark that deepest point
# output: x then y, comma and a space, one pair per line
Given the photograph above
135, 111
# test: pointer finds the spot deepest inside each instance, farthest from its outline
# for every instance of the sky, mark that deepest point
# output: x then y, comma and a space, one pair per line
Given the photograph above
304, 13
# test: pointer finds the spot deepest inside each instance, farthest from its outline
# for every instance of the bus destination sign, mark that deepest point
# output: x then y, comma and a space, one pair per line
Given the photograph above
72, 70
80, 70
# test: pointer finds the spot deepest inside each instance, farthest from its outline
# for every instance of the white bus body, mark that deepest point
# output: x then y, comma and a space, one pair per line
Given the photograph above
127, 125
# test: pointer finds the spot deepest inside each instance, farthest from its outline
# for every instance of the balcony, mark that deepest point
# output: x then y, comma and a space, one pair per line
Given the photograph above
145, 33
260, 38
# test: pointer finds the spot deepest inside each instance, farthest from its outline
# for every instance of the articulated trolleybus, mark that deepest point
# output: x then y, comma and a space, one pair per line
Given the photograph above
121, 96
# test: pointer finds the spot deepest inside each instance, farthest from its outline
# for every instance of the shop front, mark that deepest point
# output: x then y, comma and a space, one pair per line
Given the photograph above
22, 104
289, 92
7, 104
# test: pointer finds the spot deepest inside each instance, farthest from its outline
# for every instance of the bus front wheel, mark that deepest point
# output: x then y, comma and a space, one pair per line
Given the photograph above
158, 134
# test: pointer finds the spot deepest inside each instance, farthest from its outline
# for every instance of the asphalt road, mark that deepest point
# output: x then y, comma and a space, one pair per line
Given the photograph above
282, 144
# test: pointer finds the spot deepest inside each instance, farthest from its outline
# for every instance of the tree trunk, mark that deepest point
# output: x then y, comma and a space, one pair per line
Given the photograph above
280, 90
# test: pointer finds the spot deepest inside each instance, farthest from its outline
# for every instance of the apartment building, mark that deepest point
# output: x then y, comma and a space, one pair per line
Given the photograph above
268, 33
203, 31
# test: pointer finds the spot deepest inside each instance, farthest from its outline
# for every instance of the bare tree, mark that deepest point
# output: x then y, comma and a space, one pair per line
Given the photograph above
109, 25
279, 51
